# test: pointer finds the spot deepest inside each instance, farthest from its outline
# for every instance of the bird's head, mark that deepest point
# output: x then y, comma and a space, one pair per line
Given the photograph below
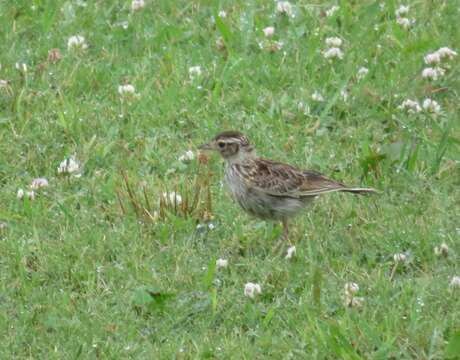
232, 145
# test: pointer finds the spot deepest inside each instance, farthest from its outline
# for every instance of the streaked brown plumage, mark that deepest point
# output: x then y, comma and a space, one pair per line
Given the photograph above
269, 189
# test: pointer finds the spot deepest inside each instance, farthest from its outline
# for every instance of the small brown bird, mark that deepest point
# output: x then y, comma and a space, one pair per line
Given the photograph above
268, 189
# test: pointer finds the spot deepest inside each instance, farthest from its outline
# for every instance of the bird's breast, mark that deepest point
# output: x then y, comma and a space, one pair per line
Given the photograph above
235, 182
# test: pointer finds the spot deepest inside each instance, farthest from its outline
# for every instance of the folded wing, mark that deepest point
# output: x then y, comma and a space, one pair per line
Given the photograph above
278, 179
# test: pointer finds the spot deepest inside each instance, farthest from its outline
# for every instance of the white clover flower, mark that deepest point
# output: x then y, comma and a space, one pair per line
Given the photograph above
433, 58
221, 263
21, 67
405, 23
127, 91
220, 43
137, 5
189, 155
302, 107
173, 197
334, 42
411, 106
316, 96
3, 83
291, 251
432, 73
362, 72
344, 94
333, 53
399, 258
431, 106
438, 55
194, 72
446, 52
402, 10
20, 194
76, 42
284, 7
331, 11
269, 31
70, 166
38, 183
353, 302
351, 289
441, 250
455, 282
222, 14
29, 194
252, 289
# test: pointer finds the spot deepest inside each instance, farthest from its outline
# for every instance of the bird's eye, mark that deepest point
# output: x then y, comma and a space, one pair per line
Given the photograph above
221, 144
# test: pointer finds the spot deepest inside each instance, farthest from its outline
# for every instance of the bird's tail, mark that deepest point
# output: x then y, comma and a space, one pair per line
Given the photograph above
338, 187
360, 191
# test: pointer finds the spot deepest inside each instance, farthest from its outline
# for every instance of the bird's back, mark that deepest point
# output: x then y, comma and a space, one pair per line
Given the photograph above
279, 179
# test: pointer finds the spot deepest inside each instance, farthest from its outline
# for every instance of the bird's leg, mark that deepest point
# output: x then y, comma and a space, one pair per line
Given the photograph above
284, 235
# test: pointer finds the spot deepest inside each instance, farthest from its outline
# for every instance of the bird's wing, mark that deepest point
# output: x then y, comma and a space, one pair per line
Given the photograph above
278, 179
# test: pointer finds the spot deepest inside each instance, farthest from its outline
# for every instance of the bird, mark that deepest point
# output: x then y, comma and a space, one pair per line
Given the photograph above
267, 189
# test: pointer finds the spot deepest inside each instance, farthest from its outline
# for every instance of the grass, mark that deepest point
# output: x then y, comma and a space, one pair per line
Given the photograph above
80, 277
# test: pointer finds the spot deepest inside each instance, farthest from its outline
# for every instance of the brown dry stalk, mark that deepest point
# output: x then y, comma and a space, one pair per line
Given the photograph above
131, 196
117, 191
195, 193
146, 197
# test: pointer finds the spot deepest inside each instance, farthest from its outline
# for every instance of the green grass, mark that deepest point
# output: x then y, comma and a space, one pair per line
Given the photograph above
80, 278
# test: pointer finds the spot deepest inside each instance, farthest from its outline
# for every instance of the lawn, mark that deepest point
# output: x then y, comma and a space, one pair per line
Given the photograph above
109, 100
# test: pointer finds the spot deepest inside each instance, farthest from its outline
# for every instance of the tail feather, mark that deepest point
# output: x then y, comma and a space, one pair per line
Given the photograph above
360, 191
340, 188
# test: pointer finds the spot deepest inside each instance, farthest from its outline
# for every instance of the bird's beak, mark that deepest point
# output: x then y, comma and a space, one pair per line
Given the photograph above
205, 147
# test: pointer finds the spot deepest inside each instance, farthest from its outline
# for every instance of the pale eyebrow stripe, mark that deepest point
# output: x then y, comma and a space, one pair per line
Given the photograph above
229, 140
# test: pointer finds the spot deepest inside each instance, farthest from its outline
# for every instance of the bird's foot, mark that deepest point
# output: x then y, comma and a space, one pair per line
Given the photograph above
278, 244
